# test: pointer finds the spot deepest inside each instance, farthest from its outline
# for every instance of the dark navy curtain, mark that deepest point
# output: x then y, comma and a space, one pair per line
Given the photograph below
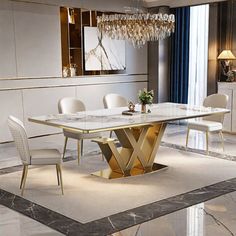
180, 56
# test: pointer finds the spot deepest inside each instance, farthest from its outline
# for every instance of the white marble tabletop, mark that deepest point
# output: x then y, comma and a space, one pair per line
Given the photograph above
111, 119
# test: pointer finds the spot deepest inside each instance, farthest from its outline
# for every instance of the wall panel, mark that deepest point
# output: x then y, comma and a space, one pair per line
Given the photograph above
7, 42
41, 102
92, 96
11, 104
37, 35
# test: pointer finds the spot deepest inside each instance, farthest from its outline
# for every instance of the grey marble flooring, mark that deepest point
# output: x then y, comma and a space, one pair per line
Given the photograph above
176, 134
211, 218
208, 218
13, 223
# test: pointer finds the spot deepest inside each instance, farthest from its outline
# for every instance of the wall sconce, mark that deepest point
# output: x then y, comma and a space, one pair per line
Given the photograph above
226, 56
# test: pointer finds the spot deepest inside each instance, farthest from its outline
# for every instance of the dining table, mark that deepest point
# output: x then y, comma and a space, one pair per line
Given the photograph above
134, 149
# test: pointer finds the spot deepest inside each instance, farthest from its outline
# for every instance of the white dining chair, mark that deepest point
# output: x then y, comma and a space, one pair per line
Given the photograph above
33, 157
71, 105
113, 100
212, 123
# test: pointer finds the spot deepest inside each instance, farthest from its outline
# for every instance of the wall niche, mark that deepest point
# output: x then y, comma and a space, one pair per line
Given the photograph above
74, 22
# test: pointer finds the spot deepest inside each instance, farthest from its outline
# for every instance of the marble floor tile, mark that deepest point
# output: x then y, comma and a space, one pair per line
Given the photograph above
212, 218
15, 224
176, 134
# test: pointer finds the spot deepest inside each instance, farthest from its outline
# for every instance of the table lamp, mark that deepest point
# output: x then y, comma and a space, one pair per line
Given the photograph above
226, 56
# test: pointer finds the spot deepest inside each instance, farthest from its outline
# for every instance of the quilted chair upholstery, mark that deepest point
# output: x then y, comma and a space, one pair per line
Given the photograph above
32, 157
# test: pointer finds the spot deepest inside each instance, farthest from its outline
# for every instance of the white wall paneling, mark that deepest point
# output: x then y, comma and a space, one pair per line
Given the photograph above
38, 39
43, 101
9, 84
34, 100
30, 46
92, 96
7, 42
30, 40
11, 104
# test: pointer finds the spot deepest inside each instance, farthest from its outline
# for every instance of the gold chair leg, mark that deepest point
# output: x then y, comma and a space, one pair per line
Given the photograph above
110, 134
187, 138
24, 179
78, 151
82, 147
58, 178
60, 174
64, 149
222, 140
207, 142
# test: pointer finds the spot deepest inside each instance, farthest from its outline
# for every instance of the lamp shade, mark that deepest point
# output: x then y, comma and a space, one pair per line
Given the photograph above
226, 55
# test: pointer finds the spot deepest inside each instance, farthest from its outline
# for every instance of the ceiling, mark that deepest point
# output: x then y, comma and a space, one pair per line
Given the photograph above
176, 3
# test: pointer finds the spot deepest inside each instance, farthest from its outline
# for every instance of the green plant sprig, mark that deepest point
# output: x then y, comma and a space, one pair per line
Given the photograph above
145, 97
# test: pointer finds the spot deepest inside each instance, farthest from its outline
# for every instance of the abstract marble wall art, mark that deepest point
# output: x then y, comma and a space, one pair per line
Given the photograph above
101, 52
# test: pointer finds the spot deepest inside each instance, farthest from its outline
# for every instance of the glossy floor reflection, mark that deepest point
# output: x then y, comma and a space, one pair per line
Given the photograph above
176, 134
13, 223
212, 218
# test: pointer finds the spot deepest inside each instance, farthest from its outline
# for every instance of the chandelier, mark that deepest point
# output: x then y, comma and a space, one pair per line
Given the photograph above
137, 28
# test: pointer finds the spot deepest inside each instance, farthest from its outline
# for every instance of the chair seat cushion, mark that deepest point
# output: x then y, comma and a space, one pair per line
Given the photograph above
205, 125
76, 135
45, 157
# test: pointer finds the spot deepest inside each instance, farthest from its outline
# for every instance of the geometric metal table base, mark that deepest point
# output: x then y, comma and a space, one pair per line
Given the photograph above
136, 152
109, 174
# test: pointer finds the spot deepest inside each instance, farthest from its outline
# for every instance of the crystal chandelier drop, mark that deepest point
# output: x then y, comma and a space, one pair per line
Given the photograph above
137, 28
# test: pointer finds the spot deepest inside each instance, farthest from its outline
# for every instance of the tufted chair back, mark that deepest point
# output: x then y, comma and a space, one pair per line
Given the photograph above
20, 138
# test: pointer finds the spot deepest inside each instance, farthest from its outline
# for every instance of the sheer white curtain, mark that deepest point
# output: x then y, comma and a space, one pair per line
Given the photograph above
198, 54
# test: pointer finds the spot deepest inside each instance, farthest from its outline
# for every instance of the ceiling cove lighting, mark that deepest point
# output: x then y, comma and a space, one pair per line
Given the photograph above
138, 28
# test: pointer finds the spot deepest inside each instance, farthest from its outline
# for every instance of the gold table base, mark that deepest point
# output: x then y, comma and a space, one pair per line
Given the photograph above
136, 152
109, 174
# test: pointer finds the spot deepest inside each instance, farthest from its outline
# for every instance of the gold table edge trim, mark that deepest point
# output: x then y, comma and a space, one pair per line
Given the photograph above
44, 122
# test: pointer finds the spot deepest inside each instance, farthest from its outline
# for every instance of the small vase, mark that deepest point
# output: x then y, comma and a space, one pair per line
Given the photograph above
143, 108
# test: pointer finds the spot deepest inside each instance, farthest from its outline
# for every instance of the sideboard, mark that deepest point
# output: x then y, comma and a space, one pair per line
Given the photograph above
229, 88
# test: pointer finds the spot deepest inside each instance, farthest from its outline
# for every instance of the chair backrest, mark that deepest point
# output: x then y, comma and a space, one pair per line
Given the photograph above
20, 138
217, 101
114, 100
70, 105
